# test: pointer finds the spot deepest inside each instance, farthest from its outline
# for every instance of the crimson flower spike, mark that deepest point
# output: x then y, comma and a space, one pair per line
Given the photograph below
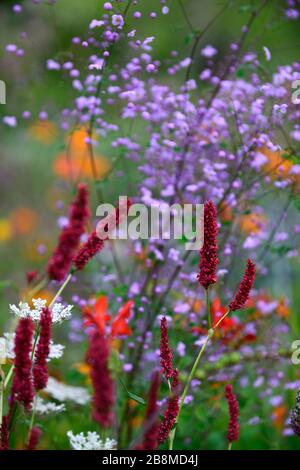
60, 263
295, 416
35, 435
94, 243
104, 396
165, 351
242, 295
150, 441
209, 251
233, 407
40, 368
171, 411
4, 435
22, 386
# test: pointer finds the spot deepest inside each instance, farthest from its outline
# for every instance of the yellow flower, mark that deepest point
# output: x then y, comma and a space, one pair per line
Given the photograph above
6, 230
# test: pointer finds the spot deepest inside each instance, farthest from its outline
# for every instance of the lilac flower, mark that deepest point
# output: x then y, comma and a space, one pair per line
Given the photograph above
208, 51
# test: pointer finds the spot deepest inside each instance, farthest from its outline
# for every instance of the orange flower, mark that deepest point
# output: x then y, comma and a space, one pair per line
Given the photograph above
76, 162
282, 308
23, 220
99, 317
225, 212
119, 325
278, 166
253, 222
43, 131
77, 166
279, 415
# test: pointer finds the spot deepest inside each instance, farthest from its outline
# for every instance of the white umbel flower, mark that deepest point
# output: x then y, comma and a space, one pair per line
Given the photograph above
43, 407
59, 311
63, 392
90, 441
56, 350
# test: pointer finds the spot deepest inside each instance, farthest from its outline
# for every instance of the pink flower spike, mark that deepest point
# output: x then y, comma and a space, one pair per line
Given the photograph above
233, 406
242, 295
209, 252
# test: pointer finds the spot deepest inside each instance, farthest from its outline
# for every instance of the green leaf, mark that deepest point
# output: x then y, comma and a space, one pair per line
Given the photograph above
189, 38
133, 396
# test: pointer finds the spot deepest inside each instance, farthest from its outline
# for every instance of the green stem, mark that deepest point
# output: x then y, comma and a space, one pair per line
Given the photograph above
207, 300
229, 445
61, 289
187, 385
8, 377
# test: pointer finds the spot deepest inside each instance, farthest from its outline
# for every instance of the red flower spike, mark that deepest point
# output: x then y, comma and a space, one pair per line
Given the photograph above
60, 263
94, 244
209, 251
35, 435
233, 406
40, 368
150, 441
4, 435
165, 350
22, 385
104, 396
90, 248
242, 295
31, 276
171, 411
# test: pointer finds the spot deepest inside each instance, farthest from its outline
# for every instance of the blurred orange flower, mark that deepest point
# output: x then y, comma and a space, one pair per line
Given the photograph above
278, 415
43, 131
253, 222
23, 220
225, 212
283, 309
277, 165
76, 162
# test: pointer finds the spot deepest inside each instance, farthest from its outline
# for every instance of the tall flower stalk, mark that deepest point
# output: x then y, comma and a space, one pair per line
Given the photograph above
233, 432
206, 278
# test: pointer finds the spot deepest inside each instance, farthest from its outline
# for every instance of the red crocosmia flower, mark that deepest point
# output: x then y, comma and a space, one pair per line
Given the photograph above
119, 325
217, 311
230, 328
97, 315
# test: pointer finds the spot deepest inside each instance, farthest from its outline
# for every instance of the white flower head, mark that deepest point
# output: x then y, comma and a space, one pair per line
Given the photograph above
43, 407
59, 311
63, 392
56, 350
90, 441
